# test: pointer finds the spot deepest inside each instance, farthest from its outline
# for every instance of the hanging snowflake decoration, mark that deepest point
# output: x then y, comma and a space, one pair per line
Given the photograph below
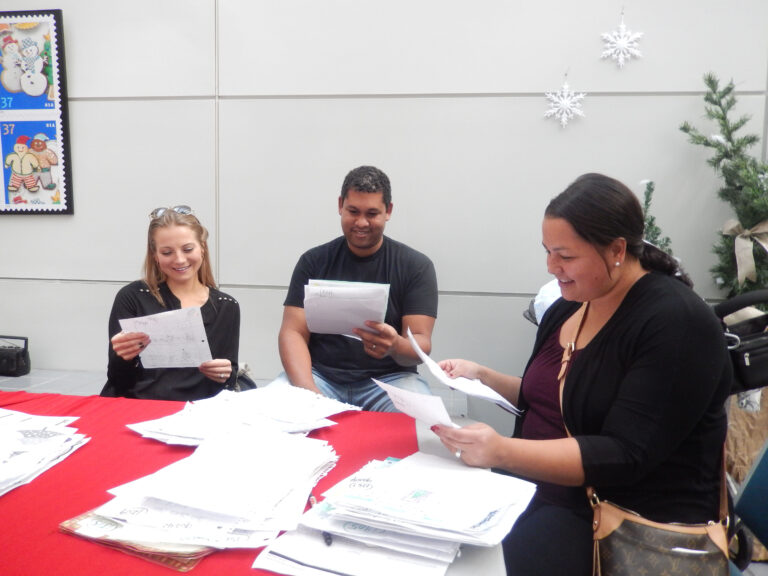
621, 44
564, 104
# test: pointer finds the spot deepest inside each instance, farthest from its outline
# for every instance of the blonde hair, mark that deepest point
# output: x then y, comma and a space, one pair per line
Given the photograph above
153, 276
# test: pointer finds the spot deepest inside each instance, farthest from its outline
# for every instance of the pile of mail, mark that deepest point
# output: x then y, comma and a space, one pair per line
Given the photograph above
396, 516
181, 557
249, 478
234, 491
278, 406
30, 445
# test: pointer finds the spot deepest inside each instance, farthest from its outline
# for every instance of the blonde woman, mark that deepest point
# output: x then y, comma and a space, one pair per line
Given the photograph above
177, 274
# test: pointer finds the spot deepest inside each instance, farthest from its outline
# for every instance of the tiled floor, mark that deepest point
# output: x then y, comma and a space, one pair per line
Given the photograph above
82, 383
77, 383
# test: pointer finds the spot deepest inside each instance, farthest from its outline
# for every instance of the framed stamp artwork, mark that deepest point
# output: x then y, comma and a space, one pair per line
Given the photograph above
34, 141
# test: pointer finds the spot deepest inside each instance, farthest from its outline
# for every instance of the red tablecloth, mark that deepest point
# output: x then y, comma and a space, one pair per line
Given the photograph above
30, 542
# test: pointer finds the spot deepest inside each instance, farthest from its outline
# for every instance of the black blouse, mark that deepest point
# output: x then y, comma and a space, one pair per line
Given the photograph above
221, 318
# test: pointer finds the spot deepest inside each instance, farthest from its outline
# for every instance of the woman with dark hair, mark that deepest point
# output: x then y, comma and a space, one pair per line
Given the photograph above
177, 274
642, 416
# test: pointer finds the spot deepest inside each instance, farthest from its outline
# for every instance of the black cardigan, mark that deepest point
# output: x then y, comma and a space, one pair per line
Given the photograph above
645, 401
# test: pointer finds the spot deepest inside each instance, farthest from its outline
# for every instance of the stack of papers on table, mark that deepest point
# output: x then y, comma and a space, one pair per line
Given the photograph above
278, 406
338, 307
232, 492
30, 445
414, 512
112, 533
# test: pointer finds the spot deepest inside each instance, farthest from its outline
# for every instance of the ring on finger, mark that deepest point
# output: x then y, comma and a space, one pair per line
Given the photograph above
457, 453
373, 346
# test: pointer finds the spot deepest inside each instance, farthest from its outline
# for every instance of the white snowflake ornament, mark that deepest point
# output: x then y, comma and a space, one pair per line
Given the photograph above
621, 44
564, 104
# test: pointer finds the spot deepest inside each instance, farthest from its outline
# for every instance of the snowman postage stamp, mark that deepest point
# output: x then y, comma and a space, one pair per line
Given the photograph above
34, 143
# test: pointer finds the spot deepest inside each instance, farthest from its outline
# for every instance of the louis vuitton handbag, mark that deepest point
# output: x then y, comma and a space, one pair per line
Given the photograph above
14, 359
626, 544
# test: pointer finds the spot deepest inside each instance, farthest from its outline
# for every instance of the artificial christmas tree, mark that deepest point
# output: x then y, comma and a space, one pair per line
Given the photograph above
652, 232
742, 248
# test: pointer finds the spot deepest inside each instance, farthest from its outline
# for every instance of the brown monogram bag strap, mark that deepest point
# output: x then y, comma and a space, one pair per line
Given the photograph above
567, 353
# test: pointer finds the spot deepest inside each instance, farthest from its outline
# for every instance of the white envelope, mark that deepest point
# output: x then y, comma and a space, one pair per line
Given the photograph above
337, 307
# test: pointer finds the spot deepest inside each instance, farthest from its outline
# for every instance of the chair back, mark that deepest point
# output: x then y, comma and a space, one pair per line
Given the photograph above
751, 503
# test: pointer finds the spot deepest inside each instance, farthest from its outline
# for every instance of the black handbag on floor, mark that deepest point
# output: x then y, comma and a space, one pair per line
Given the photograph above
747, 341
14, 360
243, 381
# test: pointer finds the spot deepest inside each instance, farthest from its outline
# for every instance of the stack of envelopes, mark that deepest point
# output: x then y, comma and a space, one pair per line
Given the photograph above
30, 445
234, 491
412, 513
279, 406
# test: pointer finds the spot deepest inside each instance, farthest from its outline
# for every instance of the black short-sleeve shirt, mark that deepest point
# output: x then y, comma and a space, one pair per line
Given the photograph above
412, 290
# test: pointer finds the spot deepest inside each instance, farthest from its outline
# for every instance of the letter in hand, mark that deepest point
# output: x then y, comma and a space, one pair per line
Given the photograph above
378, 339
456, 367
128, 345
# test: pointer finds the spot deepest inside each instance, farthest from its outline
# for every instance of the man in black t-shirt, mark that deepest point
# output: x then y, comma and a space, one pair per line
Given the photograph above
342, 367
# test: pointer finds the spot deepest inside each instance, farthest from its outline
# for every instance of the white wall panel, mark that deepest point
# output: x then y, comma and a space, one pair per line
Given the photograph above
457, 166
128, 157
449, 46
471, 178
261, 312
490, 330
66, 322
141, 48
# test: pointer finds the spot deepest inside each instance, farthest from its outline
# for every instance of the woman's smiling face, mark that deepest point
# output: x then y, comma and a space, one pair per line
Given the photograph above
178, 253
582, 270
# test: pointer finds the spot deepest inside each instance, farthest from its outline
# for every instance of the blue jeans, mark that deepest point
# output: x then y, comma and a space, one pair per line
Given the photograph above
366, 393
369, 395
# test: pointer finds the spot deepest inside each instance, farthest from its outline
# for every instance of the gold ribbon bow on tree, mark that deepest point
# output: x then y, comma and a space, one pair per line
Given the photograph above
745, 258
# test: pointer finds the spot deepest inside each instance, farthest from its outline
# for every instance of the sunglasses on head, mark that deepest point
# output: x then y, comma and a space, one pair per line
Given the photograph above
157, 212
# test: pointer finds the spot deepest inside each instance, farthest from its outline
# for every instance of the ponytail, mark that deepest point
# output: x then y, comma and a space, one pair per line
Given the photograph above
655, 259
